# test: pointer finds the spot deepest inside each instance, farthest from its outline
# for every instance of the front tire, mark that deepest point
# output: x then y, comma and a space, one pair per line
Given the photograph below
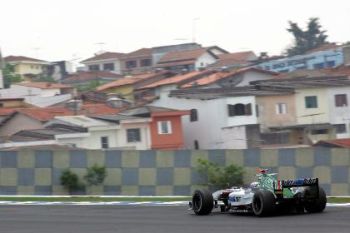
264, 203
202, 202
318, 205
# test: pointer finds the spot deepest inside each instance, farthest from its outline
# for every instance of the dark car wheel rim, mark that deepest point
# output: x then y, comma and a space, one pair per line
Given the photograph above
197, 202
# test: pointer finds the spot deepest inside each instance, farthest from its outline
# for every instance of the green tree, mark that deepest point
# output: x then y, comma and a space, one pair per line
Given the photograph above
95, 175
48, 79
9, 75
70, 181
220, 177
307, 39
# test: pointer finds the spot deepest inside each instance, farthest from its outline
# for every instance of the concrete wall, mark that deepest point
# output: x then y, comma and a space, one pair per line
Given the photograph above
165, 172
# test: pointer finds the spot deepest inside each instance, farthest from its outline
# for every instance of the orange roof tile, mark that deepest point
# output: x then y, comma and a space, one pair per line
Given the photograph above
175, 80
239, 56
344, 142
176, 56
104, 56
7, 111
46, 114
21, 58
90, 75
130, 80
44, 85
144, 52
212, 78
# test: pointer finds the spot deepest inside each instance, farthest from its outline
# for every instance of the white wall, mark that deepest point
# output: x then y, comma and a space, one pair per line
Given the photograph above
212, 118
145, 142
253, 76
21, 91
237, 137
206, 59
90, 140
339, 115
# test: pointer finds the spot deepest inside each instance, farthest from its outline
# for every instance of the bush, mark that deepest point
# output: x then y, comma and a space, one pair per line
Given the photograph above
70, 181
95, 175
220, 177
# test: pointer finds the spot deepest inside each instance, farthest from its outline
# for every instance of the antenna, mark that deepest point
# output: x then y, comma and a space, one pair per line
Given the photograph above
194, 20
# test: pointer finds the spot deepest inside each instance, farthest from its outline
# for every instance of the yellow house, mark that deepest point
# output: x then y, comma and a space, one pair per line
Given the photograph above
27, 67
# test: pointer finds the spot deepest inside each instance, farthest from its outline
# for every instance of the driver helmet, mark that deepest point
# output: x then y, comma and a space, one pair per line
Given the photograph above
254, 185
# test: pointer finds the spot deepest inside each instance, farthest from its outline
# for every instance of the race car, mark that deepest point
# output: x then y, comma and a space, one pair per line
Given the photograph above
264, 197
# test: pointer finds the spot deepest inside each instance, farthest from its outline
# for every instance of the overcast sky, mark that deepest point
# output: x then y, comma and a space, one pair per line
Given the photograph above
71, 29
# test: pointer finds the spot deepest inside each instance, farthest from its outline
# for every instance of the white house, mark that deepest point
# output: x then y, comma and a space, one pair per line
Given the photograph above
190, 60
102, 134
220, 118
106, 61
41, 94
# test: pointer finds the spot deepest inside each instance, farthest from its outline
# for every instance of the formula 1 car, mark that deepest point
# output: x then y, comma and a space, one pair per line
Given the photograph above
267, 196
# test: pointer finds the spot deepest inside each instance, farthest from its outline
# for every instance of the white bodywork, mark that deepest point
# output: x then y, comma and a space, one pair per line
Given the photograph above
238, 196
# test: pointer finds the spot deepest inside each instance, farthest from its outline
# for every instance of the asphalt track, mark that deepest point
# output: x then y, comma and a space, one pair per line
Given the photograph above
101, 219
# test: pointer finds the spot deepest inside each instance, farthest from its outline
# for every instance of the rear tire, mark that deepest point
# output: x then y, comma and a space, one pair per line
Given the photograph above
318, 205
202, 202
264, 203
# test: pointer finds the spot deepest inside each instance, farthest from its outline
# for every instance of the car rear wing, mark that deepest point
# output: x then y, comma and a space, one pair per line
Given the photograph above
298, 182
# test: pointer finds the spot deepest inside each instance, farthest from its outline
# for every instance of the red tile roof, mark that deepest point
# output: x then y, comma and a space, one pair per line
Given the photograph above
44, 85
90, 75
104, 56
344, 143
239, 58
176, 79
144, 52
46, 114
130, 80
190, 56
324, 47
212, 78
7, 111
21, 58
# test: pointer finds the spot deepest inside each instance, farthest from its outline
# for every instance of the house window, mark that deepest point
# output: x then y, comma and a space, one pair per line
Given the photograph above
94, 67
196, 145
239, 109
131, 64
164, 127
104, 143
340, 128
310, 101
146, 62
330, 63
133, 135
281, 108
319, 131
108, 66
319, 66
341, 100
194, 115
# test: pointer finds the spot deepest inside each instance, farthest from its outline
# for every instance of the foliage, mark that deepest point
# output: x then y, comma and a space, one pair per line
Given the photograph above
48, 79
9, 75
307, 39
70, 181
95, 175
221, 177
91, 86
